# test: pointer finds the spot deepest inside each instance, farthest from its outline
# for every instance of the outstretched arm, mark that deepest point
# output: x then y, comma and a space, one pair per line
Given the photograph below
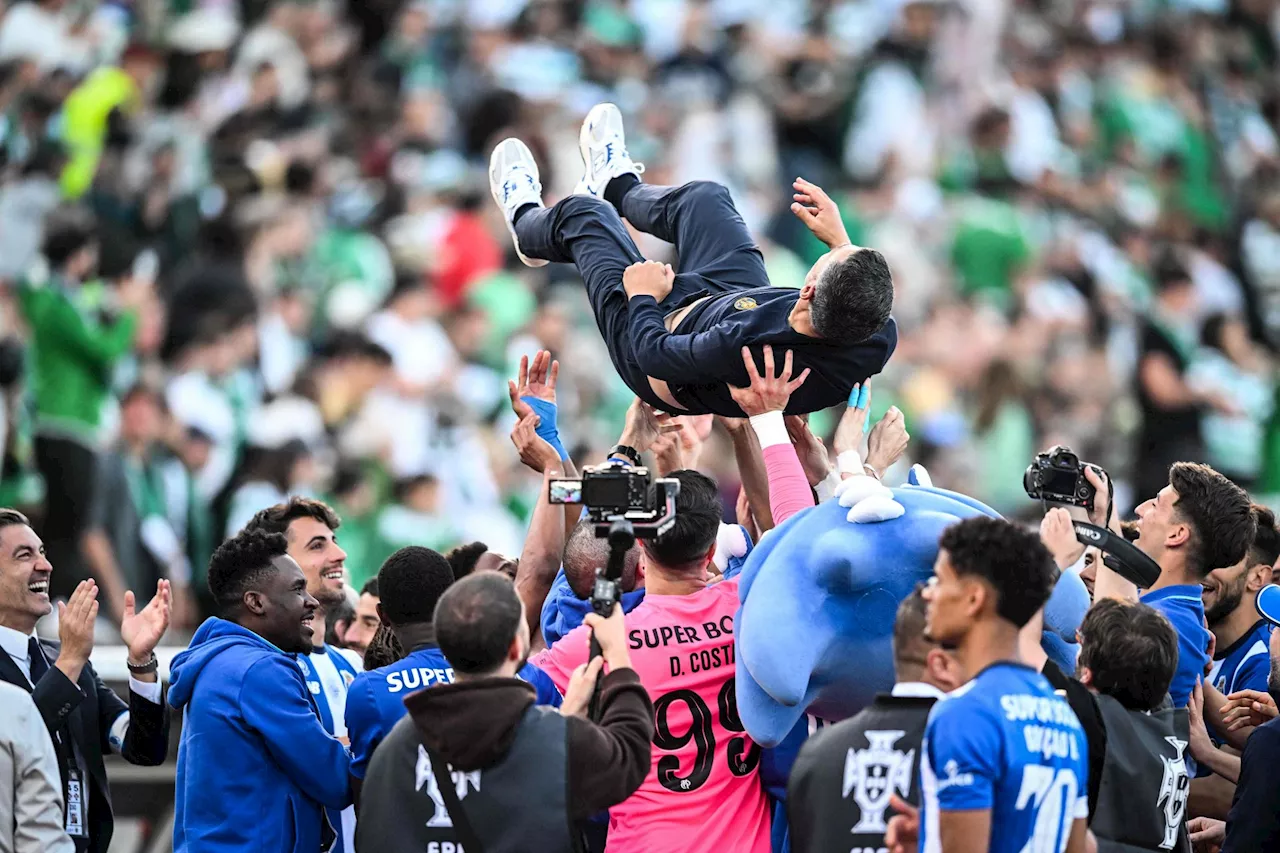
764, 401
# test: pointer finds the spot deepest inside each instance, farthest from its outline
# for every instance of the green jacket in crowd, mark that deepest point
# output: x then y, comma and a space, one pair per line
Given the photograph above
73, 351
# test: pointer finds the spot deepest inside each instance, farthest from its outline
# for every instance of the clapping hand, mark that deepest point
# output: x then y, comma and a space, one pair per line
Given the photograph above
142, 630
76, 621
767, 392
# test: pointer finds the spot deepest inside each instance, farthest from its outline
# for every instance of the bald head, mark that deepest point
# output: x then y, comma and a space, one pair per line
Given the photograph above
584, 553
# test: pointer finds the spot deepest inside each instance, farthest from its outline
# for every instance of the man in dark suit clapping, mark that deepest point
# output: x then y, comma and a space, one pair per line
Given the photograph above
83, 716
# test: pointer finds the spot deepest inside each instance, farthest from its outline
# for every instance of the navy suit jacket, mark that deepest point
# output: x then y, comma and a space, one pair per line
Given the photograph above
88, 709
704, 355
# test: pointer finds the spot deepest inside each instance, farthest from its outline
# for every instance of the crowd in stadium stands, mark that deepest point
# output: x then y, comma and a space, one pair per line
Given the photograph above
264, 341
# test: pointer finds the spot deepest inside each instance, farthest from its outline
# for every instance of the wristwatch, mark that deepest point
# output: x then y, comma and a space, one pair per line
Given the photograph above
143, 669
630, 453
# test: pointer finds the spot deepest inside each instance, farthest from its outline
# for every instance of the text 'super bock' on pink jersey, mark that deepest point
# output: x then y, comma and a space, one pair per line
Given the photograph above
703, 791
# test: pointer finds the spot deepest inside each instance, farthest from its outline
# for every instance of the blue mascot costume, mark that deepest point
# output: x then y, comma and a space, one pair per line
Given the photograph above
819, 596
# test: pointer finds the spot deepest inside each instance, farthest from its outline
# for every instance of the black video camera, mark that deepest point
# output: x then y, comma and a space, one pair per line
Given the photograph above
1057, 477
616, 490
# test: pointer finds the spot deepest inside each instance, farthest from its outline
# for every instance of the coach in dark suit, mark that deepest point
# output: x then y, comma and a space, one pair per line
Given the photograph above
84, 717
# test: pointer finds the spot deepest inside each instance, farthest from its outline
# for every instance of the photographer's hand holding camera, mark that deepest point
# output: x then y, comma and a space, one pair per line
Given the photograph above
611, 634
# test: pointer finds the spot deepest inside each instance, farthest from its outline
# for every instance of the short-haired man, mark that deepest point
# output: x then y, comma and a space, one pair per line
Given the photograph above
477, 764
1005, 762
84, 718
1201, 521
569, 601
252, 741
1240, 661
411, 581
677, 339
1138, 778
361, 630
838, 795
703, 791
310, 529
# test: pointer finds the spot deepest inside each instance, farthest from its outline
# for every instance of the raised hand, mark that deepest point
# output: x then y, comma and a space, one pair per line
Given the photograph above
1059, 536
819, 213
809, 448
888, 441
767, 392
643, 426
648, 278
853, 422
142, 630
668, 451
537, 380
535, 451
75, 629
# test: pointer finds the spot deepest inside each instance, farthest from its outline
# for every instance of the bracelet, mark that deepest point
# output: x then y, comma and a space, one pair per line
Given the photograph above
144, 669
870, 472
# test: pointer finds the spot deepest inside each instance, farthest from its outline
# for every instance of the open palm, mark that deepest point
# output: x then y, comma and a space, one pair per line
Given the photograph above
536, 379
142, 630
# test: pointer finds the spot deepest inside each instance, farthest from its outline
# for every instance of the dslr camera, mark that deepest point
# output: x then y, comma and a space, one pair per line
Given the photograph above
1057, 476
617, 491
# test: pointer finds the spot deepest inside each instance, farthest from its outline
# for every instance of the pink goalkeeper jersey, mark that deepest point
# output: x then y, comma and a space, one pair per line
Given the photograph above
703, 792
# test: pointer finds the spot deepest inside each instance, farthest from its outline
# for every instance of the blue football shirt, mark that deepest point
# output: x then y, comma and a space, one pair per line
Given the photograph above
1183, 606
1245, 664
375, 700
1005, 742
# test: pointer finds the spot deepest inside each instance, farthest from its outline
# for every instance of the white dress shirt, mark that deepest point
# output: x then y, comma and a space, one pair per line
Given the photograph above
16, 645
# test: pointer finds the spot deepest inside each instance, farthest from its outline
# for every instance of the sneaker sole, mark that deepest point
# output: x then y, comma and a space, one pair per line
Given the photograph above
511, 227
584, 151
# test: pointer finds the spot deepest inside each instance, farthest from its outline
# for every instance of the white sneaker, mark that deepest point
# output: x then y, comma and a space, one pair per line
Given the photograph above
513, 180
603, 145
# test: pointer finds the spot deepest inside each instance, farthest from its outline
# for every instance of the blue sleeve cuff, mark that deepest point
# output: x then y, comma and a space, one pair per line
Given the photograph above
547, 428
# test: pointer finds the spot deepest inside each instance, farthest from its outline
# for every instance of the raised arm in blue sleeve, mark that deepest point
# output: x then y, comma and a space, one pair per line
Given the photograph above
273, 700
679, 358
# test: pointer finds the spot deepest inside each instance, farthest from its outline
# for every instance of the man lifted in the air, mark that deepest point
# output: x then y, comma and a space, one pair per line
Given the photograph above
677, 339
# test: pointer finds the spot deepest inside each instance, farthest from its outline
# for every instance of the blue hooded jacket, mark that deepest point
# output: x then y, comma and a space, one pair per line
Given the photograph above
255, 764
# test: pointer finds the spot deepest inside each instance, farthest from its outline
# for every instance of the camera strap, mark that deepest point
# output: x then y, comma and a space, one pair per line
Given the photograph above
1124, 558
452, 803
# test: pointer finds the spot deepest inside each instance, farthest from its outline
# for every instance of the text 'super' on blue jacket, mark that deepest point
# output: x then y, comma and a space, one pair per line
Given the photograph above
255, 764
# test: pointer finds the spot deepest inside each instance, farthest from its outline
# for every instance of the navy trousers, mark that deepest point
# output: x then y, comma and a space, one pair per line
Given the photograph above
715, 250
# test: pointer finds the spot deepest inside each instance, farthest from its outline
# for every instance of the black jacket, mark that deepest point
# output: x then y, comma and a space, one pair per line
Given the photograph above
88, 709
1253, 825
500, 748
838, 793
704, 356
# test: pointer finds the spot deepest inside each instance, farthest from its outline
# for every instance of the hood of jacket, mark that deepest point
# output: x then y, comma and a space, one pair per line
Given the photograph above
471, 724
212, 638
